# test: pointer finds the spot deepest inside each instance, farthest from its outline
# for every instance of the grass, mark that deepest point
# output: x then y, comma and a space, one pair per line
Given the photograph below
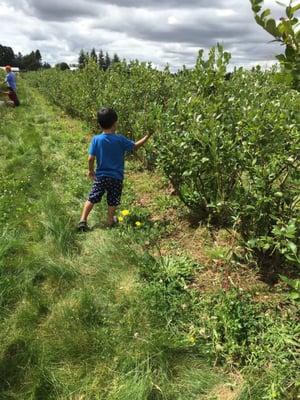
111, 315
73, 322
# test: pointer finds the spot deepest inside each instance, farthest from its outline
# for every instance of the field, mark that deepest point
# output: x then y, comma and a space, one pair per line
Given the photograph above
184, 300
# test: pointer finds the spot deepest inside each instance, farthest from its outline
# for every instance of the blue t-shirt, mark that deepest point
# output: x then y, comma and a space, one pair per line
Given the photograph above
11, 80
109, 150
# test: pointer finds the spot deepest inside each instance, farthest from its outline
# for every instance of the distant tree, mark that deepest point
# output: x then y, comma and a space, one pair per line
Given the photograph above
101, 60
107, 61
32, 61
82, 59
38, 57
7, 55
29, 61
46, 65
94, 55
63, 66
115, 59
18, 62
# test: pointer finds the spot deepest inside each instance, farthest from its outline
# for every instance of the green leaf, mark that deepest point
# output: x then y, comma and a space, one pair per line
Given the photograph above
256, 9
297, 284
290, 258
204, 160
278, 194
288, 29
292, 247
252, 243
294, 21
294, 295
266, 246
256, 5
281, 58
259, 21
296, 8
285, 279
266, 13
272, 28
289, 53
289, 12
281, 28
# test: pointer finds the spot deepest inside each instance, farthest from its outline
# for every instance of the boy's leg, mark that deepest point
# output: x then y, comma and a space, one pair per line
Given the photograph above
114, 193
94, 197
111, 214
88, 206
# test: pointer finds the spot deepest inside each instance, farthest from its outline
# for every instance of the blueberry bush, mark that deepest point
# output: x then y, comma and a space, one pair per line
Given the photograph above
228, 142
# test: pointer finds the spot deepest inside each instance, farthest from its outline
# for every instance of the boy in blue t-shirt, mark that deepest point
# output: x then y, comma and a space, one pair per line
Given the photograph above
108, 149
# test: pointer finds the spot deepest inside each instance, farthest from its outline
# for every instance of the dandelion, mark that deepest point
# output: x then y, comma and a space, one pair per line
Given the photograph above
120, 219
138, 224
191, 339
125, 213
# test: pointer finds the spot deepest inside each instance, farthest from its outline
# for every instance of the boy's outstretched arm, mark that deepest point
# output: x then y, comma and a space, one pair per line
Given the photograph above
141, 142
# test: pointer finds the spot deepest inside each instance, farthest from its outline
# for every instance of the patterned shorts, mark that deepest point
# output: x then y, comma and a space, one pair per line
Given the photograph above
113, 187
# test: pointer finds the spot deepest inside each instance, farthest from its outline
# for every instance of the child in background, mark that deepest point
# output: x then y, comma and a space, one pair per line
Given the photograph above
108, 149
10, 81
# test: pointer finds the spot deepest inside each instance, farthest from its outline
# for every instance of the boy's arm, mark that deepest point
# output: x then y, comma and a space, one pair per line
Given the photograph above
91, 171
142, 141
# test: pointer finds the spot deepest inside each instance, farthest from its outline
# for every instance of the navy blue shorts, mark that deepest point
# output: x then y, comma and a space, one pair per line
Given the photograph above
113, 187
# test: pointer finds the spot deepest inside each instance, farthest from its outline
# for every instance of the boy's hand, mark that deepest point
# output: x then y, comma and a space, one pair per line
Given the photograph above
91, 175
141, 142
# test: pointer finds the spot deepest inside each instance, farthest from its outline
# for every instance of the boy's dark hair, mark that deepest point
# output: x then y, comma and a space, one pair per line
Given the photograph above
107, 117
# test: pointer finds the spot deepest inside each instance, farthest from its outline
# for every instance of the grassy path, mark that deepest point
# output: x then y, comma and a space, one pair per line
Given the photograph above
80, 318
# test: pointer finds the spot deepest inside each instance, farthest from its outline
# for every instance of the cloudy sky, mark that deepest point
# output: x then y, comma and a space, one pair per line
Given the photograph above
161, 31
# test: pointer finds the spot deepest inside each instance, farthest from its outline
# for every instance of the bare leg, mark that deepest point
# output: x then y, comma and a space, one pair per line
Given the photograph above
111, 214
88, 206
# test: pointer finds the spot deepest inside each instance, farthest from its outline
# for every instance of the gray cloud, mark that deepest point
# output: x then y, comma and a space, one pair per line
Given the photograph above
56, 10
168, 3
165, 31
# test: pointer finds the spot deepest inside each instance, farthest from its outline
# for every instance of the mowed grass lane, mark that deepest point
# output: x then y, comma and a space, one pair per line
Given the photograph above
76, 319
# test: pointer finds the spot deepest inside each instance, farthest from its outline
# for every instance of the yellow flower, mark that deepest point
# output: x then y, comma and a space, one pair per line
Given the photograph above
191, 339
120, 219
125, 213
138, 224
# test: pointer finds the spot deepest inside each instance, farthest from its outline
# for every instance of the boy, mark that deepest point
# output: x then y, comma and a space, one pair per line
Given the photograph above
10, 81
109, 151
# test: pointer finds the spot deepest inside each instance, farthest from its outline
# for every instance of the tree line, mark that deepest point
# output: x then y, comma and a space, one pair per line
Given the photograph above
103, 60
29, 62
33, 60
